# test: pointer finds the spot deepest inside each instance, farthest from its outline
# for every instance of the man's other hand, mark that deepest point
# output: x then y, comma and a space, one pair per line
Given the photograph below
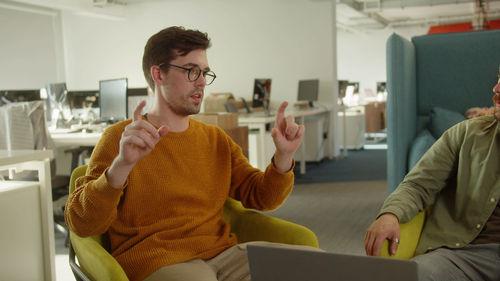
385, 227
287, 136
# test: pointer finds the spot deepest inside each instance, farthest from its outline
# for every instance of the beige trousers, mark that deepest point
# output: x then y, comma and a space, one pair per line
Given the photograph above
230, 265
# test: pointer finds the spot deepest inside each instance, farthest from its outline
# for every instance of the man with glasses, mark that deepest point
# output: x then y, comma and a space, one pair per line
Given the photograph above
157, 183
459, 177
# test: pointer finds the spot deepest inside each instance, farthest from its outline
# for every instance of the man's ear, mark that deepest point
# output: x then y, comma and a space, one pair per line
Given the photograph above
156, 74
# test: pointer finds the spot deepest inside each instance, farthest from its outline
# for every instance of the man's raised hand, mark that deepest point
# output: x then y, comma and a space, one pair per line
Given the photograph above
139, 137
138, 140
287, 136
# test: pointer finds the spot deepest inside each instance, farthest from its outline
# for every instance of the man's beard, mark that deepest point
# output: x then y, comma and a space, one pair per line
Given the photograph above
496, 109
187, 109
497, 113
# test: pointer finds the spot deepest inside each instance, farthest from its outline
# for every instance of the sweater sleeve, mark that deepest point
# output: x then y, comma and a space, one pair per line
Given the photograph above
92, 207
421, 186
256, 189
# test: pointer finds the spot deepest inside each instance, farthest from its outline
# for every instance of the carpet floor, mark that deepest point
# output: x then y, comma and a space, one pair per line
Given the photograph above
359, 165
338, 213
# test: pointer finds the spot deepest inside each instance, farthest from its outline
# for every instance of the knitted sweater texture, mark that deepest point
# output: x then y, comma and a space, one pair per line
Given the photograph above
170, 208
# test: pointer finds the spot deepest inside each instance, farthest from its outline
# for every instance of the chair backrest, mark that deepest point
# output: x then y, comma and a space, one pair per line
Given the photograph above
456, 71
24, 126
453, 71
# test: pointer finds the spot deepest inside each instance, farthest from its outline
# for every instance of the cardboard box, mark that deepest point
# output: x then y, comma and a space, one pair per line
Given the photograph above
215, 102
224, 120
240, 137
375, 117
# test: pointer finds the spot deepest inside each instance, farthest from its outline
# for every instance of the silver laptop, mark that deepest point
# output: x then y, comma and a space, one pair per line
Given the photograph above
268, 263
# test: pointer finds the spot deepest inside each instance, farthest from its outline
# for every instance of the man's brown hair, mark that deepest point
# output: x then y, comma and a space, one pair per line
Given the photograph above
168, 44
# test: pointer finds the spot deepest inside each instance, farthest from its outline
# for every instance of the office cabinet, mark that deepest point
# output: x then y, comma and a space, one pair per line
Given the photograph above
354, 129
26, 218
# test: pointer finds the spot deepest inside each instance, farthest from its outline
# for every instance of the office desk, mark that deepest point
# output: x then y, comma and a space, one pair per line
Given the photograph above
26, 216
75, 139
352, 128
259, 122
74, 144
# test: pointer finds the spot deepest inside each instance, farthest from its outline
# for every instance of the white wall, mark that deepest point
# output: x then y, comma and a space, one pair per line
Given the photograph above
29, 44
361, 57
285, 40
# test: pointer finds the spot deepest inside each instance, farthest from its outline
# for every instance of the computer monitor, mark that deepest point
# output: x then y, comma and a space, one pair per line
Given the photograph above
8, 96
380, 87
57, 92
261, 93
83, 99
134, 97
133, 92
58, 104
355, 86
342, 88
113, 99
308, 91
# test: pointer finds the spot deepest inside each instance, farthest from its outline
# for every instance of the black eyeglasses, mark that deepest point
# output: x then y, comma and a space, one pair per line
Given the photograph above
194, 73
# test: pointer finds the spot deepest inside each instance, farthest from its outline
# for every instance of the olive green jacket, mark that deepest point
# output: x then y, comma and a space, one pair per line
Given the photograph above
459, 176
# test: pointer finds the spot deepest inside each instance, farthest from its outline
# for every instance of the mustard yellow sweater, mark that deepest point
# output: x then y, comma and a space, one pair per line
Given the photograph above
170, 209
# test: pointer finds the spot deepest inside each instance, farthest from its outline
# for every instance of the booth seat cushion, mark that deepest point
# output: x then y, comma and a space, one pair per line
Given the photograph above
419, 146
442, 119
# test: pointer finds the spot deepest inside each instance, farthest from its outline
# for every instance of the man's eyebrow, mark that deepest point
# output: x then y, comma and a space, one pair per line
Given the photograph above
194, 64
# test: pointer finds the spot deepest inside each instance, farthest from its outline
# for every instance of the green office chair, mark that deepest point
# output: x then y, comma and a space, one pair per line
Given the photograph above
96, 263
409, 237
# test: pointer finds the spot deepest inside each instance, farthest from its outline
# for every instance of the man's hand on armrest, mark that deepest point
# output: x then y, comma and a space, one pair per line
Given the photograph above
384, 227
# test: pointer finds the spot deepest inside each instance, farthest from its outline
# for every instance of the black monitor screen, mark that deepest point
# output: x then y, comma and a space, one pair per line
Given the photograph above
57, 99
380, 87
261, 92
343, 88
57, 92
84, 98
308, 90
113, 99
355, 86
131, 92
7, 96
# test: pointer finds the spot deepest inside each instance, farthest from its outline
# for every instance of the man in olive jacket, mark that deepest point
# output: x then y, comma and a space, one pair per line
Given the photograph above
459, 177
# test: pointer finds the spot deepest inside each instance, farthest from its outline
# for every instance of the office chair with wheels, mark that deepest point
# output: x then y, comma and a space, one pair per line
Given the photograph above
96, 263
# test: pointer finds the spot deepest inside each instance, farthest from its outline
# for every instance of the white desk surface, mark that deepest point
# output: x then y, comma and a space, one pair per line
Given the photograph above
260, 117
80, 139
9, 157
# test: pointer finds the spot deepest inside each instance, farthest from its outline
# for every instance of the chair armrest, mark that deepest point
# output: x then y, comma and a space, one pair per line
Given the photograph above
250, 225
95, 262
410, 235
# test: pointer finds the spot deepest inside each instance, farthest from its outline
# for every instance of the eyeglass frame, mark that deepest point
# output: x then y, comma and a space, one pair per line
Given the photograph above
205, 72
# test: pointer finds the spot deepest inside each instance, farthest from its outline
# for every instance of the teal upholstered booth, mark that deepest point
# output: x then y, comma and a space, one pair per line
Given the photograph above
431, 81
